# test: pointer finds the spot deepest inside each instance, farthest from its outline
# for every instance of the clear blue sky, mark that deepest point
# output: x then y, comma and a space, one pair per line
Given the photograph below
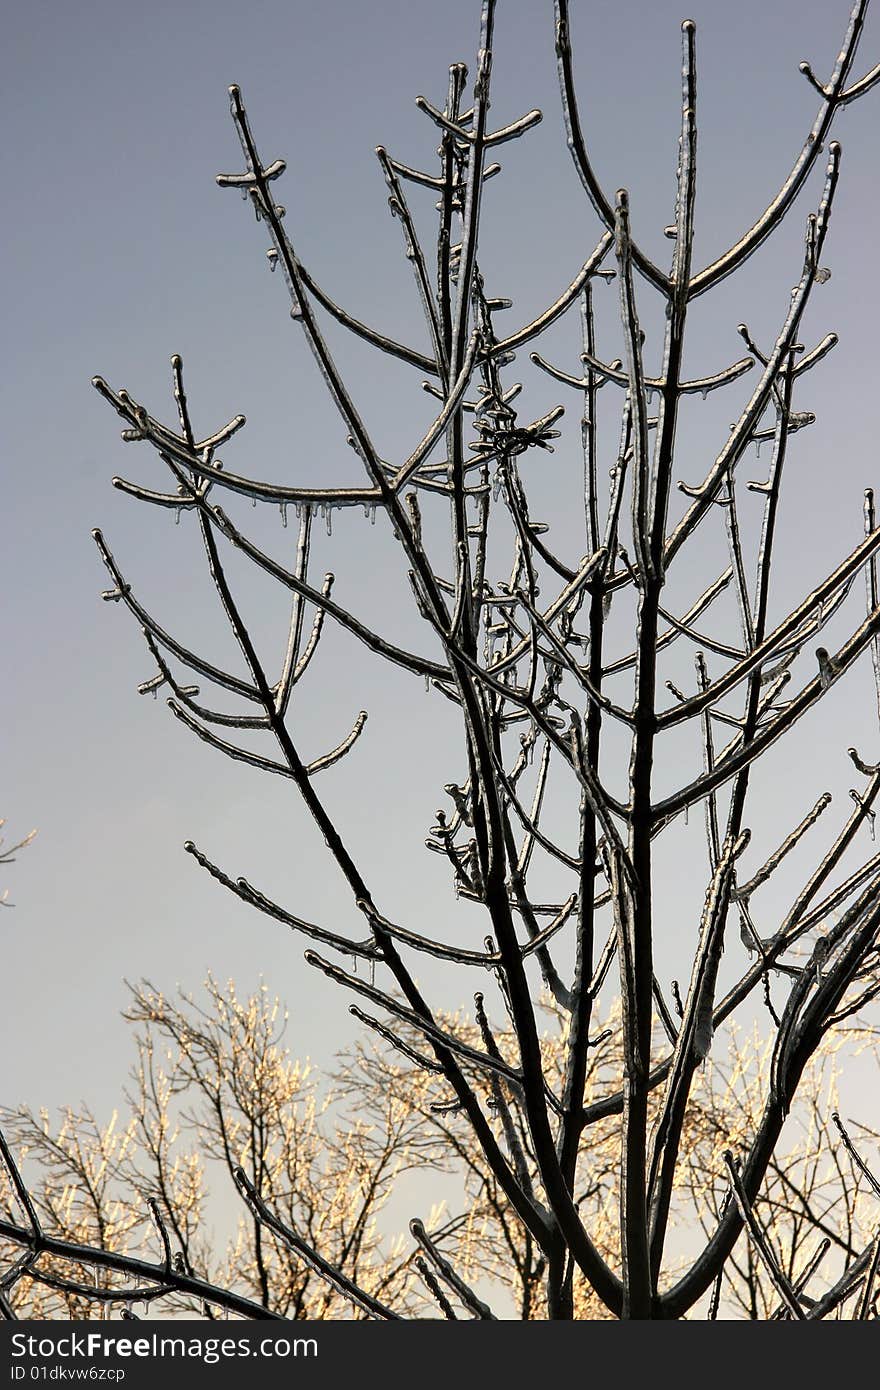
120, 250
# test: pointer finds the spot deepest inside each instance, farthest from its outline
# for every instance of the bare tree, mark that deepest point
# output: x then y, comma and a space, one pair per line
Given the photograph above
7, 856
214, 1089
558, 673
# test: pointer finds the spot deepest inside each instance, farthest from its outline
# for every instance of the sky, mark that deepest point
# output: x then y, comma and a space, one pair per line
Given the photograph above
119, 250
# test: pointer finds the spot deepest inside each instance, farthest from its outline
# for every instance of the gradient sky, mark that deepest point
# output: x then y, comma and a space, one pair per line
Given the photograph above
120, 250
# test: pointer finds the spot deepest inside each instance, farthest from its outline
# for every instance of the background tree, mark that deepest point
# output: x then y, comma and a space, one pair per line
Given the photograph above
7, 856
215, 1088
562, 700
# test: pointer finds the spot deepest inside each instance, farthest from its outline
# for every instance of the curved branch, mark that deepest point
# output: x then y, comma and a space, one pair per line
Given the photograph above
775, 211
578, 148
173, 1280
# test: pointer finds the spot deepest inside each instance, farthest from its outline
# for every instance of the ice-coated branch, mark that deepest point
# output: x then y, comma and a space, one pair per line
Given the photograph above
693, 1043
470, 1300
399, 209
747, 751
682, 626
123, 593
244, 890
636, 378
857, 1161
833, 96
20, 1189
157, 1280
577, 145
771, 644
762, 1245
872, 595
334, 1277
743, 430
536, 326
699, 386
461, 1049
760, 876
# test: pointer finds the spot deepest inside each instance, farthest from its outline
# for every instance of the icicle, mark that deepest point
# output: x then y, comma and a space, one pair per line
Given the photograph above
427, 684
758, 443
354, 965
686, 810
705, 393
297, 508
328, 516
253, 501
177, 511
649, 394
272, 258
283, 509
372, 971
372, 513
